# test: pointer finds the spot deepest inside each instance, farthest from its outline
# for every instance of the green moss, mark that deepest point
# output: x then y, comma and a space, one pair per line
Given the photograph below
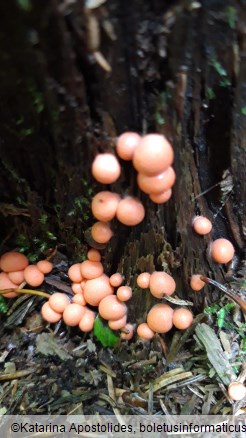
43, 219
221, 314
25, 5
231, 16
159, 119
210, 93
26, 132
218, 67
22, 243
37, 97
51, 235
225, 81
3, 305
81, 204
243, 343
243, 110
36, 246
242, 332
161, 108
23, 131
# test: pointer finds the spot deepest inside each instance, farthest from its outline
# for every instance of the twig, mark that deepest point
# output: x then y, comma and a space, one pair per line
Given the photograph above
26, 291
229, 293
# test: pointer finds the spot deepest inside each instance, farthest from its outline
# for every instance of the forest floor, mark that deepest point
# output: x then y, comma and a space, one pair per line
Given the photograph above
58, 370
54, 369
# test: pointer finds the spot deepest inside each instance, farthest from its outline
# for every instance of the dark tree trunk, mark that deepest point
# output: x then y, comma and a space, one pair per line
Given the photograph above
177, 68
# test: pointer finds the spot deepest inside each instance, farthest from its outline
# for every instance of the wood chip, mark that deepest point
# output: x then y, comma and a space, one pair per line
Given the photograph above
169, 378
215, 353
107, 370
17, 374
178, 301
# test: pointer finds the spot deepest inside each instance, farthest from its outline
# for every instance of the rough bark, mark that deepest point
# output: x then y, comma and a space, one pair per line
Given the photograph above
177, 69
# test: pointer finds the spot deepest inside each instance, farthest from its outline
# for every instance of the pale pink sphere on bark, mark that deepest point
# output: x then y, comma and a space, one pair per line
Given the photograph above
106, 168
153, 155
58, 302
128, 332
196, 283
87, 321
116, 279
126, 145
104, 205
161, 284
45, 266
49, 314
124, 293
236, 391
161, 198
111, 308
130, 211
73, 314
182, 318
97, 289
201, 225
6, 283
74, 273
156, 184
222, 250
101, 232
143, 280
160, 318
94, 255
145, 332
16, 277
33, 276
79, 299
118, 324
13, 261
91, 269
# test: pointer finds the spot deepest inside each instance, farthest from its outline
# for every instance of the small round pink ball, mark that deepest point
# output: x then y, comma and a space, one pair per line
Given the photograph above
106, 168
130, 211
153, 155
201, 225
126, 145
222, 250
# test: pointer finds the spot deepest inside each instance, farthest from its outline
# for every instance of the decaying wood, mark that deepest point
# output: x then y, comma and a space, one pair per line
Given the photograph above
178, 71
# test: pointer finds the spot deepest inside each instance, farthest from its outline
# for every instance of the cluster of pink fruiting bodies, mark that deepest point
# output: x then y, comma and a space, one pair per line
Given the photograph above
91, 286
94, 288
152, 157
16, 270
